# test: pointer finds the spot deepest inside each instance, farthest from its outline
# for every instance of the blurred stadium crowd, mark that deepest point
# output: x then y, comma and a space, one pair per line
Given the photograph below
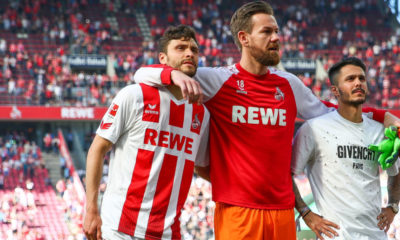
36, 38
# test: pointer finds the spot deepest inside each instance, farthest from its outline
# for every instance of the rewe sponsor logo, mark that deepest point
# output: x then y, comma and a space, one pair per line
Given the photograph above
77, 113
257, 115
168, 140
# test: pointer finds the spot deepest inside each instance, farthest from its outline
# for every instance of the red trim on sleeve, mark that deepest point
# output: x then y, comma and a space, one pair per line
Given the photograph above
165, 74
329, 104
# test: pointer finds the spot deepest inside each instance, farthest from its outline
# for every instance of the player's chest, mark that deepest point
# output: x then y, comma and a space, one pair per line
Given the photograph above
256, 92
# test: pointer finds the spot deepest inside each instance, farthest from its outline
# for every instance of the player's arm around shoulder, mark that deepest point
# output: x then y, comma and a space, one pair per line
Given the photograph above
308, 105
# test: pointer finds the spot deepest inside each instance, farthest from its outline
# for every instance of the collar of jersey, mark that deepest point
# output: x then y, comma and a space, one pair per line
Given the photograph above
173, 98
241, 69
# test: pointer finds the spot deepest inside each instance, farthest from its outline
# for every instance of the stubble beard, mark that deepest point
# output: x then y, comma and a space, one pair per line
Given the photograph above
187, 71
266, 58
344, 97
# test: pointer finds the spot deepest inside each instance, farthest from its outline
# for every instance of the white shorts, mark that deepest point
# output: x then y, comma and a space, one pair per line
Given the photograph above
109, 234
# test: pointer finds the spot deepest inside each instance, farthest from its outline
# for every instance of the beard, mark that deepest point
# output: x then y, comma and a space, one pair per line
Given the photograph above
186, 70
345, 98
266, 58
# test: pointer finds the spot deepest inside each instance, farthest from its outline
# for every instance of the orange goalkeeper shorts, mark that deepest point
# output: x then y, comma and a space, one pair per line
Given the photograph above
240, 223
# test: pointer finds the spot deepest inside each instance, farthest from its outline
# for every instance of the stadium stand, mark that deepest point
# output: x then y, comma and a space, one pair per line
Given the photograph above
29, 206
37, 39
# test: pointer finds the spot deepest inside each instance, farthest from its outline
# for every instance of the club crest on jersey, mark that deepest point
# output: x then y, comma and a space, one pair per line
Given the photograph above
113, 110
279, 95
241, 87
196, 122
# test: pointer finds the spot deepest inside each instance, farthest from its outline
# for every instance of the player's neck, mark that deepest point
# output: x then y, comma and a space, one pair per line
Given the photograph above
251, 65
176, 91
351, 112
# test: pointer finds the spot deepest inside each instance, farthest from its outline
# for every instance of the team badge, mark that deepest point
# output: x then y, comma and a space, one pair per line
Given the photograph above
279, 95
196, 122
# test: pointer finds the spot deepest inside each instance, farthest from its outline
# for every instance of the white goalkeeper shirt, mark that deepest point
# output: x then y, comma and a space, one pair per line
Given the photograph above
343, 172
157, 141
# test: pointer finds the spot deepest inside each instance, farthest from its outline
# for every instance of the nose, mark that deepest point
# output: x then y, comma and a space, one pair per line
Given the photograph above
358, 82
275, 37
189, 53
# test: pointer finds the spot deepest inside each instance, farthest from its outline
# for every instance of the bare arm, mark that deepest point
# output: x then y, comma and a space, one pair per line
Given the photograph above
94, 170
314, 221
203, 172
387, 215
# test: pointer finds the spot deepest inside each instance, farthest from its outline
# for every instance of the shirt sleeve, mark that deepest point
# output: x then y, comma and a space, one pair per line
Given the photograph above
210, 79
156, 75
203, 154
117, 119
308, 105
303, 149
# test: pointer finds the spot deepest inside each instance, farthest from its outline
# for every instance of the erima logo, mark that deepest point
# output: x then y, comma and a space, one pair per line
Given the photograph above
196, 122
279, 95
151, 111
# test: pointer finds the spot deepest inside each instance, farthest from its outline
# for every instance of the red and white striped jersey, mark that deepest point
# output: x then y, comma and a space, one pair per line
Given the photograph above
157, 141
251, 130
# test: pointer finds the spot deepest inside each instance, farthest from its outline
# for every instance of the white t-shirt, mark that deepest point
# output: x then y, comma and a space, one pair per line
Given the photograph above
343, 172
157, 141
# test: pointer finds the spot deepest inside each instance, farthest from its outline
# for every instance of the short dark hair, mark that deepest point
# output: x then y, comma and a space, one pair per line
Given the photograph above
335, 69
241, 19
173, 33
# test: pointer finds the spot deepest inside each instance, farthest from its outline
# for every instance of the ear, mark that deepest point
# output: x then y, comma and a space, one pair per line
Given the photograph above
162, 57
335, 90
243, 38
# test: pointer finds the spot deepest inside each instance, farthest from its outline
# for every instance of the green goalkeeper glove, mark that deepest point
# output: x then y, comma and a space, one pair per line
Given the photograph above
388, 148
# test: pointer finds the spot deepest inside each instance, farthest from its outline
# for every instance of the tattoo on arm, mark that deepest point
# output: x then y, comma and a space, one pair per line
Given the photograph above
299, 202
393, 186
